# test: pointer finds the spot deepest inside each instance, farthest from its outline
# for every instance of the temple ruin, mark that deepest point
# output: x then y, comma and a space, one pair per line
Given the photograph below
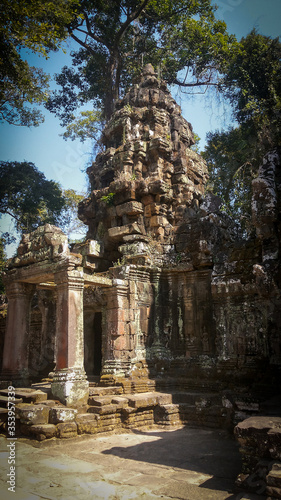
164, 295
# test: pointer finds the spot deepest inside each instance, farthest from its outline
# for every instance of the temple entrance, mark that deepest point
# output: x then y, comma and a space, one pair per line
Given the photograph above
92, 342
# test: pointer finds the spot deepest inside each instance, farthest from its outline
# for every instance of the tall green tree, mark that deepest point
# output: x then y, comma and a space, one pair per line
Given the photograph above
36, 26
68, 219
252, 83
28, 197
181, 38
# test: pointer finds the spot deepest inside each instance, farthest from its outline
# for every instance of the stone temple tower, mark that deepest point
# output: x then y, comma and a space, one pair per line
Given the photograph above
164, 288
145, 179
184, 300
145, 183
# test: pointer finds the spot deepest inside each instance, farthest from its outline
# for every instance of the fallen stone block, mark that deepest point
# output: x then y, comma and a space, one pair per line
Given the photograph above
67, 430
99, 400
28, 395
120, 402
32, 414
103, 410
4, 400
42, 432
58, 415
87, 423
143, 400
164, 399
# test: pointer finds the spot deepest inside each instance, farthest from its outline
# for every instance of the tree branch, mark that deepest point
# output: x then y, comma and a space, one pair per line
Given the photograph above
93, 35
87, 33
195, 84
129, 20
84, 44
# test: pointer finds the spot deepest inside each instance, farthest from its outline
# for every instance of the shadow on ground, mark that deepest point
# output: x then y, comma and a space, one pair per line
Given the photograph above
209, 452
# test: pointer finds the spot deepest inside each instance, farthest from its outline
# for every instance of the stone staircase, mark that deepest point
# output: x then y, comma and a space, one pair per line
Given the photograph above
132, 404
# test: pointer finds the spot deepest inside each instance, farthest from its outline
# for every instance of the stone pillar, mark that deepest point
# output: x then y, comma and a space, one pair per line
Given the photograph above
70, 385
116, 348
15, 355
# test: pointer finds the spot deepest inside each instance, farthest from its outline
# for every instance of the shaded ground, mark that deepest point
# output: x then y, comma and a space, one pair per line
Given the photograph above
182, 464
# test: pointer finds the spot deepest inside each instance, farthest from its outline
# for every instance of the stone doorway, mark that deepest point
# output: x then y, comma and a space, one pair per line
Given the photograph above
93, 343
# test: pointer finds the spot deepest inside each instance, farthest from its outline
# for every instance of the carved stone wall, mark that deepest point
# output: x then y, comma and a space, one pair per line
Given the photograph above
190, 296
169, 287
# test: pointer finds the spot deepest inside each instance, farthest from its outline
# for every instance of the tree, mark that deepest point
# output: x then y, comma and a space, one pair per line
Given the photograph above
68, 219
39, 27
253, 85
27, 196
180, 38
230, 158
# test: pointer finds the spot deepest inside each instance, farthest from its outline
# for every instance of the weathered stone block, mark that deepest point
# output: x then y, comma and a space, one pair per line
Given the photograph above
58, 415
120, 402
156, 221
32, 414
99, 400
28, 395
129, 208
42, 432
142, 400
87, 423
103, 410
274, 476
67, 430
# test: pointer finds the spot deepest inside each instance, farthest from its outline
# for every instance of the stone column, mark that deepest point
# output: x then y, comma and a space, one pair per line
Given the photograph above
70, 384
116, 349
15, 355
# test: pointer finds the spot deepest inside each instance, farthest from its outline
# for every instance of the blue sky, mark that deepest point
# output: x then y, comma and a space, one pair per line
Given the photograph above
65, 161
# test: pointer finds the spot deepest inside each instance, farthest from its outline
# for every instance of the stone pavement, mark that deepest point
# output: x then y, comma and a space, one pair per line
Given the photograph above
180, 464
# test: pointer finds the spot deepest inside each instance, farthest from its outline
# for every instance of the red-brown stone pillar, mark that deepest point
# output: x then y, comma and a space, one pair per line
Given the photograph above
15, 355
70, 384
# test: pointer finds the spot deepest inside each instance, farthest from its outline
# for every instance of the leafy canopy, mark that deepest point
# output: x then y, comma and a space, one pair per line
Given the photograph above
253, 85
181, 38
68, 219
27, 196
36, 26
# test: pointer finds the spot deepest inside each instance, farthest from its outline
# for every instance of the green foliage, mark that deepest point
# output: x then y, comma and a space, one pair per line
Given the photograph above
180, 38
120, 262
195, 146
229, 157
27, 196
87, 126
36, 26
108, 199
68, 219
253, 84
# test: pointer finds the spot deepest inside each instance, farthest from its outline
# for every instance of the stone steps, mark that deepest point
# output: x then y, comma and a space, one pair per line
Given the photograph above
105, 391
27, 395
4, 400
147, 409
111, 408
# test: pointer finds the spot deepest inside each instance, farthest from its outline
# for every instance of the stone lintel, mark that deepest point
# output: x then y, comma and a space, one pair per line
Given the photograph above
42, 272
97, 280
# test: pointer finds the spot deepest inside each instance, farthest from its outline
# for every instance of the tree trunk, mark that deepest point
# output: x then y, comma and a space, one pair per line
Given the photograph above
112, 94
